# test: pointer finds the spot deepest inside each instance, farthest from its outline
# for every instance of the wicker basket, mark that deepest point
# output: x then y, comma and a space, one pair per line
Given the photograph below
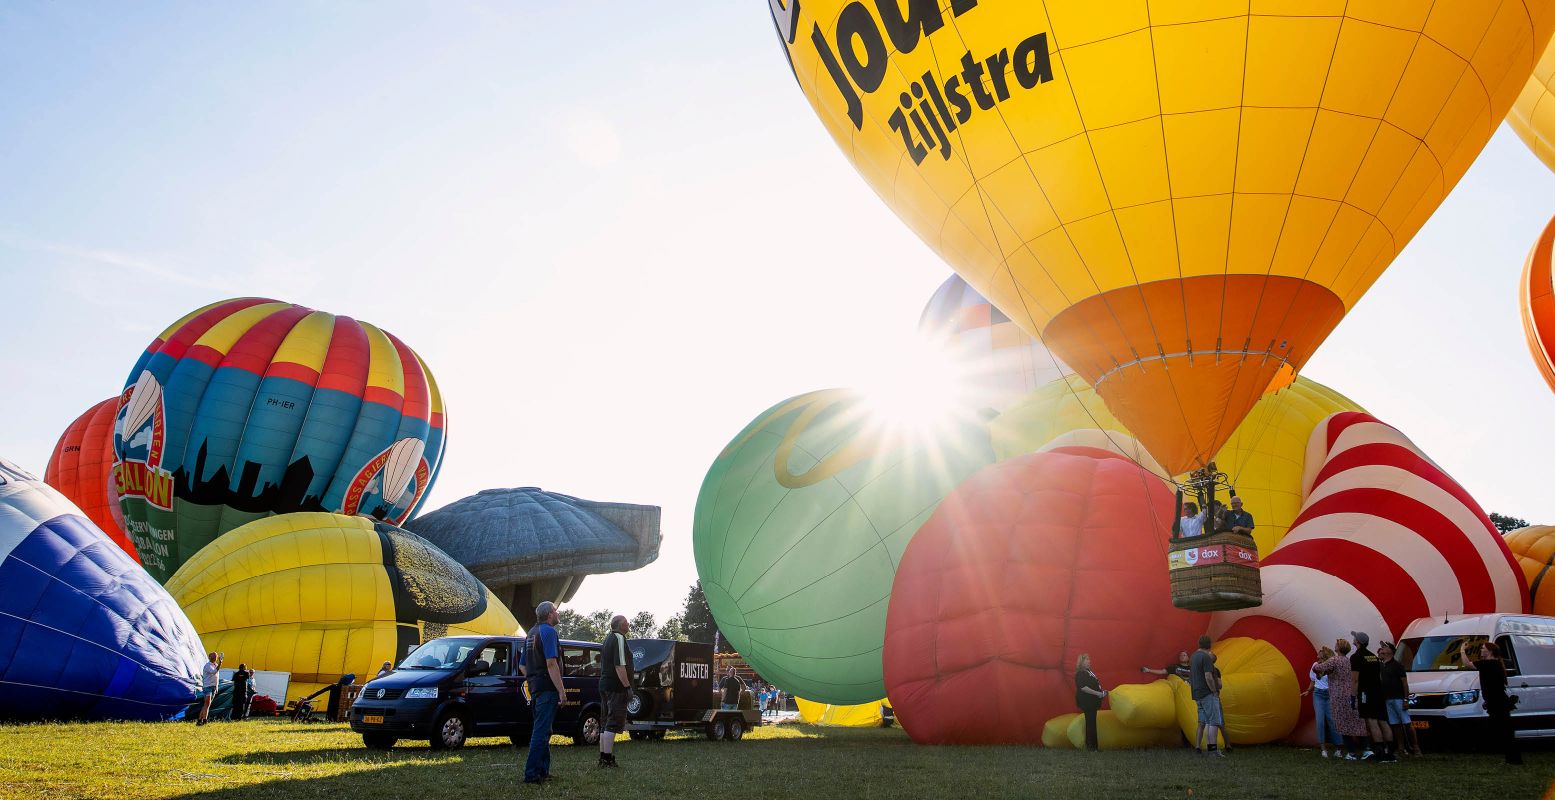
1218, 572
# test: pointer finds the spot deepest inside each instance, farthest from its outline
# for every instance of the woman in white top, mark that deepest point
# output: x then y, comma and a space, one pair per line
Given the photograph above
1321, 716
1192, 522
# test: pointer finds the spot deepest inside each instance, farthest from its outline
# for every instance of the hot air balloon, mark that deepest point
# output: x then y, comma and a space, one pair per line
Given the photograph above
1534, 549
1023, 567
1263, 458
81, 468
320, 595
997, 360
252, 407
799, 527
1533, 116
1179, 201
85, 633
1538, 305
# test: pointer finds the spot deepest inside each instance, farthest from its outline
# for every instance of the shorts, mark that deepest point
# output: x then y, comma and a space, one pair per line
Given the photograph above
1398, 712
1209, 711
1370, 706
209, 691
615, 710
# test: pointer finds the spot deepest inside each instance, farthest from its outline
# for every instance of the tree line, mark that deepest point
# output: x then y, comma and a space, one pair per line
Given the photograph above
693, 623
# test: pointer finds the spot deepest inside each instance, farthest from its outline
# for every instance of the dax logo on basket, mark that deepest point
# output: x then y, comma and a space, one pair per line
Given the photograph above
1213, 554
693, 670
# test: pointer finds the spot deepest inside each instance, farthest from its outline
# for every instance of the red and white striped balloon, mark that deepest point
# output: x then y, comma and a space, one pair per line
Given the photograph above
1384, 537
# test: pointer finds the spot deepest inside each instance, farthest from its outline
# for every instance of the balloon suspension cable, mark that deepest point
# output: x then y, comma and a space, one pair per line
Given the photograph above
1202, 484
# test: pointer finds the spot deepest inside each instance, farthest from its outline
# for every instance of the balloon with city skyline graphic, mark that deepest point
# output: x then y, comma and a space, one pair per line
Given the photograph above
253, 407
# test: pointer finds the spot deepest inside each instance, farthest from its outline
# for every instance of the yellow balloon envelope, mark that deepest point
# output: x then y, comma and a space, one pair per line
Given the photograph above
1534, 548
1260, 698
863, 715
1179, 198
1533, 116
321, 595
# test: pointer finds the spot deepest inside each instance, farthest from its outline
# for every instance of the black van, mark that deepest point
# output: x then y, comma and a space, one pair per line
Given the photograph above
460, 687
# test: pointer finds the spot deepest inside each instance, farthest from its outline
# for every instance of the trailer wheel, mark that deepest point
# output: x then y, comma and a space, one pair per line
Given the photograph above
736, 730
717, 729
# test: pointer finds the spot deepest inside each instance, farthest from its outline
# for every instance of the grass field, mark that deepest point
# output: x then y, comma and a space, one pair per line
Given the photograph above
275, 759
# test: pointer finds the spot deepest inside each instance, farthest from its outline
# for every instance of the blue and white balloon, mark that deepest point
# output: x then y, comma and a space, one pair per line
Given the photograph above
85, 633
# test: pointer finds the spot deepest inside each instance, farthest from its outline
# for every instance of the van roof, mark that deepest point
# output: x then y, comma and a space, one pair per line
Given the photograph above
1477, 625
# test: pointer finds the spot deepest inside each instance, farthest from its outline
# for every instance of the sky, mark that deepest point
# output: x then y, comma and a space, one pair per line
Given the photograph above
615, 231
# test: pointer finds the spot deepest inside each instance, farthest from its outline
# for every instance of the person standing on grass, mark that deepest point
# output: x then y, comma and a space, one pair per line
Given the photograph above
1341, 698
1492, 686
730, 686
1395, 696
1367, 672
615, 686
240, 691
541, 666
1205, 683
1088, 695
210, 678
1322, 715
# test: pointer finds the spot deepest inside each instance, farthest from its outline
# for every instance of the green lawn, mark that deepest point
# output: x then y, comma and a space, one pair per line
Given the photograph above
275, 759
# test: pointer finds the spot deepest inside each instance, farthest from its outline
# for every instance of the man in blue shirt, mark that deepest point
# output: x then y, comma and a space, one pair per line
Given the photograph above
541, 665
1236, 520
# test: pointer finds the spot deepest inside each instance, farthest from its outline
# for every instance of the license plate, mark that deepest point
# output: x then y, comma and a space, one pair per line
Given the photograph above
1420, 723
372, 719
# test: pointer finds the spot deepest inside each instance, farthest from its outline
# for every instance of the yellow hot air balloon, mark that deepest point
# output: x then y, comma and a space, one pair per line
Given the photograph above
1180, 199
1534, 549
320, 595
1533, 116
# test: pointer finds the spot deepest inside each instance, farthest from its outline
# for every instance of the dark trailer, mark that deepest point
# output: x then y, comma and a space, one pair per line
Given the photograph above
674, 686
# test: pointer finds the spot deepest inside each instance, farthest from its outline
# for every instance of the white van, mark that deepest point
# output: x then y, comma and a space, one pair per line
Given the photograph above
1444, 696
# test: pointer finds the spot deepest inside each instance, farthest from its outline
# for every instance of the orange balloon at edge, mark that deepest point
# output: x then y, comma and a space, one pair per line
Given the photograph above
81, 468
1537, 302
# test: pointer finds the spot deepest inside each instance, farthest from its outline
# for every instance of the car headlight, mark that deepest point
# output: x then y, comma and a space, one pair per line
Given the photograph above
1462, 698
422, 693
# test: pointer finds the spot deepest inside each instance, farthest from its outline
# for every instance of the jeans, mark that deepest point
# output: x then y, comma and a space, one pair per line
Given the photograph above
1323, 718
538, 766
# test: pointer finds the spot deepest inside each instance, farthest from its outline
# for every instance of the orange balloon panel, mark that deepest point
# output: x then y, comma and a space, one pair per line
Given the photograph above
1533, 117
1538, 305
1534, 549
81, 468
1178, 198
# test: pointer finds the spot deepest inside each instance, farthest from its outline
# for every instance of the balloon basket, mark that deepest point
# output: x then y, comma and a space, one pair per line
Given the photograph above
1218, 572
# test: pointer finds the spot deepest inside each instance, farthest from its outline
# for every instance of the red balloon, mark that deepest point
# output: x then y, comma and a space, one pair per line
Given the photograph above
1022, 568
81, 468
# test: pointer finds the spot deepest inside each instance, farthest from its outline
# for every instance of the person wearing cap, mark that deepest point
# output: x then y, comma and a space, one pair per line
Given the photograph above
1235, 520
541, 665
1366, 671
1395, 696
1204, 680
615, 685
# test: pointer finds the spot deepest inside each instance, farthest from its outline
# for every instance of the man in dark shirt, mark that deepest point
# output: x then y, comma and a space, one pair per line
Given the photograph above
541, 664
240, 681
1205, 683
731, 687
1182, 667
1367, 672
1395, 695
1235, 520
615, 686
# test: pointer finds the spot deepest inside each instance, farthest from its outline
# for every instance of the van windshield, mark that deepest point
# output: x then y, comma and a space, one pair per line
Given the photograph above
447, 653
1437, 653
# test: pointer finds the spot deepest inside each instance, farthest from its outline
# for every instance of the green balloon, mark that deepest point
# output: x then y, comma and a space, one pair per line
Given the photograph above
800, 525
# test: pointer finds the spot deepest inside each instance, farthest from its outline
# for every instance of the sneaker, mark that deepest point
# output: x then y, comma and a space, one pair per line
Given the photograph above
1366, 755
1325, 754
1220, 753
1349, 756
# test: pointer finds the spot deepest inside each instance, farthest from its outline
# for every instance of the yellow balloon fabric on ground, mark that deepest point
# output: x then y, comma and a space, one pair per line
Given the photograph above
1112, 734
320, 595
864, 715
1145, 705
1533, 116
1264, 457
1055, 732
1260, 697
1534, 548
1177, 198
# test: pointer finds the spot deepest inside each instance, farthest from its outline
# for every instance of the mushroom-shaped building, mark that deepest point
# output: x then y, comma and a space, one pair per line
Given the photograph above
529, 545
